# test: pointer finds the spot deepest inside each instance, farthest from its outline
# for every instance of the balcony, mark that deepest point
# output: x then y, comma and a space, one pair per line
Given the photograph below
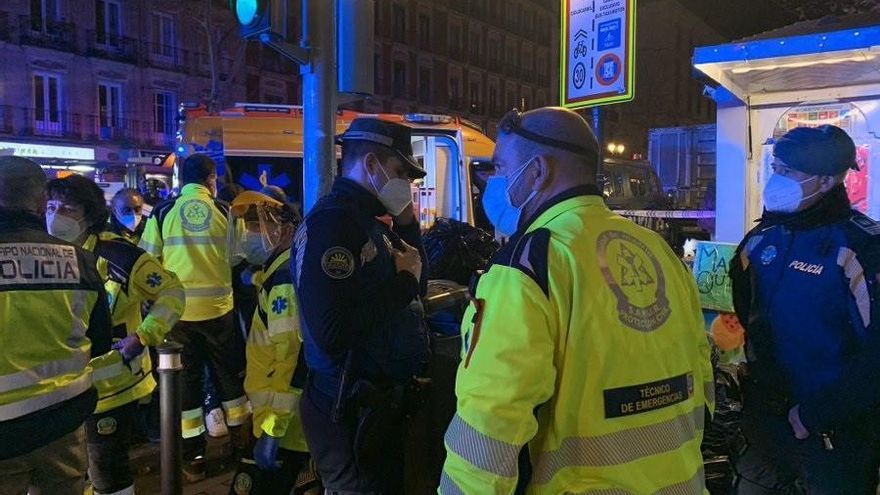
56, 35
166, 57
116, 130
110, 46
81, 127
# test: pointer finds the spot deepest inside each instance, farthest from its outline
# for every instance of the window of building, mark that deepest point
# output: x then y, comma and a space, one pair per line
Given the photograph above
494, 53
109, 105
455, 42
164, 113
377, 75
425, 85
45, 13
108, 22
476, 95
399, 20
399, 79
493, 100
164, 42
454, 93
47, 102
475, 47
424, 31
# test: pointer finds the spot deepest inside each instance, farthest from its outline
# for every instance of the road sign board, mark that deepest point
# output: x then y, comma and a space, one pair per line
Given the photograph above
598, 52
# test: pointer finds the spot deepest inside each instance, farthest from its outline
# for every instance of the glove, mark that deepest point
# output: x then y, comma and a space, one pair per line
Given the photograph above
130, 347
266, 451
409, 259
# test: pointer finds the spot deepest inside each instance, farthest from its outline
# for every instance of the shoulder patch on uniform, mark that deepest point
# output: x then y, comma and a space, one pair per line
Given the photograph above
338, 263
866, 224
106, 426
528, 254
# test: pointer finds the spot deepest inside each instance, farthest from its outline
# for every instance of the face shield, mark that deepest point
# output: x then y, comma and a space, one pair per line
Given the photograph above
257, 227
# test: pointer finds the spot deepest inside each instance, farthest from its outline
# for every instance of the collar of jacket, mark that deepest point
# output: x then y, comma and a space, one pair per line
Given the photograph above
194, 190
272, 263
833, 208
590, 194
18, 218
363, 199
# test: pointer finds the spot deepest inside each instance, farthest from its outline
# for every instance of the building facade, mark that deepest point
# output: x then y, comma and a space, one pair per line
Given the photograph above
108, 75
472, 58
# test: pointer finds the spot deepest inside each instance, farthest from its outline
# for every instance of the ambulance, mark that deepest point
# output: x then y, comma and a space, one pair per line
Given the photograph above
253, 140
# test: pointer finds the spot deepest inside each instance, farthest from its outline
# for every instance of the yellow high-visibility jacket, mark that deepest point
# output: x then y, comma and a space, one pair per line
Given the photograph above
53, 319
133, 277
188, 234
275, 369
584, 356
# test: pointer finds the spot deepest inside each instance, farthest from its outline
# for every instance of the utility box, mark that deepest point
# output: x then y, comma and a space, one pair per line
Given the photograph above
354, 45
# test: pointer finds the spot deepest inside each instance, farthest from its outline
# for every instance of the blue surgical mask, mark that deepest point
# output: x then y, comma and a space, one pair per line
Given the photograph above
254, 248
498, 205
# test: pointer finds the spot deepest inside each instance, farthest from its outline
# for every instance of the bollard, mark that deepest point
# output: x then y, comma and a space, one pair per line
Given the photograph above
169, 399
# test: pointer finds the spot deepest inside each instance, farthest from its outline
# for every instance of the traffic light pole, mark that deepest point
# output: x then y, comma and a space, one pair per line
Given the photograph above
319, 99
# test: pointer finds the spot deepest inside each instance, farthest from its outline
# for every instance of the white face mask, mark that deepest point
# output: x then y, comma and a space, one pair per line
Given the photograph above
64, 227
131, 221
784, 195
395, 195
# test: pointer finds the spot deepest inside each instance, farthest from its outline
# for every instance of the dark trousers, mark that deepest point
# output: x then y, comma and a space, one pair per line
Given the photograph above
332, 446
219, 345
108, 436
775, 462
251, 480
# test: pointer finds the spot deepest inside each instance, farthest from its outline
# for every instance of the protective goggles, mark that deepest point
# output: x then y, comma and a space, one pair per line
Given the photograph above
511, 124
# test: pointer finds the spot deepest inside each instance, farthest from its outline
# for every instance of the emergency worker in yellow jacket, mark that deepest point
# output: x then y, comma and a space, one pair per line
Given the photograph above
77, 212
585, 366
188, 234
261, 232
53, 318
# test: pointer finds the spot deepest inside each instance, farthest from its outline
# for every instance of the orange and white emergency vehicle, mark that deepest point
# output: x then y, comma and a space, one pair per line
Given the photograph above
251, 139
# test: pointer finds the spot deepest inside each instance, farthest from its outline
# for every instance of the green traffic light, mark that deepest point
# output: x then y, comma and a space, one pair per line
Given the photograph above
246, 11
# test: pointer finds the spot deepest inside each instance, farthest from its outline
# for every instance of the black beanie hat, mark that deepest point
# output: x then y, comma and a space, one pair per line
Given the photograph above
825, 150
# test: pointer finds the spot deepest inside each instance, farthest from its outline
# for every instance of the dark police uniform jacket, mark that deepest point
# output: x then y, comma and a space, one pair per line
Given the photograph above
358, 313
805, 288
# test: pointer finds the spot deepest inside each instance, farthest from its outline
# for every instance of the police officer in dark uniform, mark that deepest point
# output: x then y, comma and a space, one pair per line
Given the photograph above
805, 284
357, 268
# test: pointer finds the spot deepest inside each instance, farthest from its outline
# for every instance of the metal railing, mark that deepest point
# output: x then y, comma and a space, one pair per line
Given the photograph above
162, 56
110, 46
85, 127
46, 33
